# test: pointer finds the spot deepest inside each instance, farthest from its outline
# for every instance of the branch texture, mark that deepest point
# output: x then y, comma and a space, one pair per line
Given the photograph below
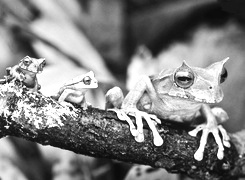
99, 133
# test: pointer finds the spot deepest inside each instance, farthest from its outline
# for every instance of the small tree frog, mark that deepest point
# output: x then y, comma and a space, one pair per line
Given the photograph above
179, 94
75, 89
26, 72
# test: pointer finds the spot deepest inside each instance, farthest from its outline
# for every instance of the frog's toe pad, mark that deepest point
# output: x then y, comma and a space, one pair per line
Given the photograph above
158, 141
198, 155
196, 130
134, 131
139, 137
220, 154
227, 144
193, 133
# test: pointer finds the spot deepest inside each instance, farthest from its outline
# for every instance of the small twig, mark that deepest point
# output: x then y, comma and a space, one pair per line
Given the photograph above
99, 133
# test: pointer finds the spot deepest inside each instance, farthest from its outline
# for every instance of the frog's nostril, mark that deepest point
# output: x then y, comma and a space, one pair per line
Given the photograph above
210, 87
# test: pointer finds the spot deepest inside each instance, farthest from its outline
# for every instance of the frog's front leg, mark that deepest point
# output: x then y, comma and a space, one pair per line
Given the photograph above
211, 126
151, 120
129, 106
64, 97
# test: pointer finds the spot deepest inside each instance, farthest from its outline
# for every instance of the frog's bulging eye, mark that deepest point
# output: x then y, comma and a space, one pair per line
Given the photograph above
184, 79
87, 80
223, 75
26, 60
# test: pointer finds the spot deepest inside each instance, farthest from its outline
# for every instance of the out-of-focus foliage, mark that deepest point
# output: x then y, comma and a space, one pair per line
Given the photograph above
52, 32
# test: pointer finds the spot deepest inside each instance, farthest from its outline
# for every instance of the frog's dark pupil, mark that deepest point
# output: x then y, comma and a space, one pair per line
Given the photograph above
184, 79
27, 62
87, 80
224, 75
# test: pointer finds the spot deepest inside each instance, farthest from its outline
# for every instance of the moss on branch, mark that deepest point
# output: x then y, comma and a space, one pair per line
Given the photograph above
99, 133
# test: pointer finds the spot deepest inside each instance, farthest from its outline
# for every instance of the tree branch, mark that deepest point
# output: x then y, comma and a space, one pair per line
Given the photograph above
99, 133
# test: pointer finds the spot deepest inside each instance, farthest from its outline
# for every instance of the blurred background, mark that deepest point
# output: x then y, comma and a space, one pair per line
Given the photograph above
119, 41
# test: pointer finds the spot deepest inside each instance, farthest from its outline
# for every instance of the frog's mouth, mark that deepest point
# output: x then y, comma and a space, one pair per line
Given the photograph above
190, 97
28, 70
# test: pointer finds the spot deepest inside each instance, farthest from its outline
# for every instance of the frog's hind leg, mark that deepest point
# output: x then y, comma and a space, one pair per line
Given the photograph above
114, 98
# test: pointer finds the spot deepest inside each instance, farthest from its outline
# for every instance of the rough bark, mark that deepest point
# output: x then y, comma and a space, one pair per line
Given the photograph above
98, 133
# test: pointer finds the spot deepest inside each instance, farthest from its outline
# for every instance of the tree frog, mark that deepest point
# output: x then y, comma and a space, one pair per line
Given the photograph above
180, 94
26, 72
74, 90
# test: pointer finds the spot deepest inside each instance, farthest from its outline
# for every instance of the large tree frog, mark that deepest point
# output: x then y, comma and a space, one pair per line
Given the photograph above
74, 90
179, 94
26, 72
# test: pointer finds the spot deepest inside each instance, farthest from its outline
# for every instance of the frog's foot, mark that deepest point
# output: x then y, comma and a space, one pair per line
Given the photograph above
124, 117
85, 105
67, 104
214, 129
151, 120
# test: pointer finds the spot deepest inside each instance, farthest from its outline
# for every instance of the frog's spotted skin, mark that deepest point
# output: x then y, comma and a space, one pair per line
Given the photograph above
32, 64
75, 89
179, 94
26, 72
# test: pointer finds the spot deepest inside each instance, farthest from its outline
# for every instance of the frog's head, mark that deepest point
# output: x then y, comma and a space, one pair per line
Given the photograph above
84, 81
198, 84
32, 65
